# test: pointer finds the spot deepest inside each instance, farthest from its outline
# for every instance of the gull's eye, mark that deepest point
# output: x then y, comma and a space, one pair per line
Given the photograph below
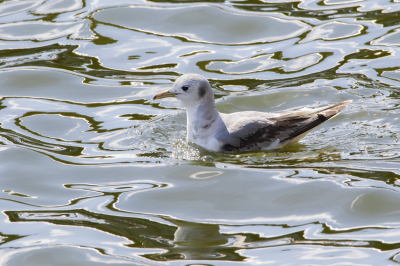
185, 88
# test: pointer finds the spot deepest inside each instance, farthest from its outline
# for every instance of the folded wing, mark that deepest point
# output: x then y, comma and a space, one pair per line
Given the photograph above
257, 130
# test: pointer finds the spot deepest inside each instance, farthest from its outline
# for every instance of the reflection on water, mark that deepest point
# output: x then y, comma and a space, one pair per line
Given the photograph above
178, 239
103, 175
181, 240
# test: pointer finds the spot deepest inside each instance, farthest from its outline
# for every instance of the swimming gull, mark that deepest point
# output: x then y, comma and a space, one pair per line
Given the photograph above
241, 131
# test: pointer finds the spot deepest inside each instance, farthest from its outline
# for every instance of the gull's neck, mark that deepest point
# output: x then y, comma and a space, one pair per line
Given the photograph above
203, 119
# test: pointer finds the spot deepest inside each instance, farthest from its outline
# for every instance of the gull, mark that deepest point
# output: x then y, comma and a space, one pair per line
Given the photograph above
241, 131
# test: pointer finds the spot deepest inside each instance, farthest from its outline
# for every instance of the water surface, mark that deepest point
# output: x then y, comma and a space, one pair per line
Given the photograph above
94, 172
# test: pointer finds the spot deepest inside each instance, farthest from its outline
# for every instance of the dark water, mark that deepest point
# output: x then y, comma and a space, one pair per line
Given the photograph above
93, 172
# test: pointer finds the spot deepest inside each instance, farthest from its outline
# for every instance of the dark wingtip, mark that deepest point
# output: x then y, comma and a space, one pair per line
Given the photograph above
323, 115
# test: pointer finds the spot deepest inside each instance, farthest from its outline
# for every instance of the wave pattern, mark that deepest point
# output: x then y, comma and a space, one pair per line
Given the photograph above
103, 175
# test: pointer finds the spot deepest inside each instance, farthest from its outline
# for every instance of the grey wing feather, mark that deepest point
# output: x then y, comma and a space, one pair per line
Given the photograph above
255, 130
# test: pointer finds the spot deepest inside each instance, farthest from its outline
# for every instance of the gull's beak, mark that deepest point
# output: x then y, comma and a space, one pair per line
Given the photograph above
164, 94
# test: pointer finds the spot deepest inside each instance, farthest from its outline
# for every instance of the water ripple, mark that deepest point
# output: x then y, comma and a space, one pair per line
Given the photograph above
103, 174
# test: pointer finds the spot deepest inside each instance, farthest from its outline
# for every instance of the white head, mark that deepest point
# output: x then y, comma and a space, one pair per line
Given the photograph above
191, 89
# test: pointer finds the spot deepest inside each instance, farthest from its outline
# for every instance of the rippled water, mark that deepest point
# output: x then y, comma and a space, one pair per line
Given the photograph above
94, 172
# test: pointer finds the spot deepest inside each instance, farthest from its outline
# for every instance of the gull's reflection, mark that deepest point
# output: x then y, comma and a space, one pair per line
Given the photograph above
198, 241
188, 241
178, 240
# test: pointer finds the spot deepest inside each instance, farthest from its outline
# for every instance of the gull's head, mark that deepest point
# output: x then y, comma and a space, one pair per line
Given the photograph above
190, 89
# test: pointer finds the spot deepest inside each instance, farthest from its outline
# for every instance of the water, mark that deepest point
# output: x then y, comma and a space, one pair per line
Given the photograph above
94, 172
